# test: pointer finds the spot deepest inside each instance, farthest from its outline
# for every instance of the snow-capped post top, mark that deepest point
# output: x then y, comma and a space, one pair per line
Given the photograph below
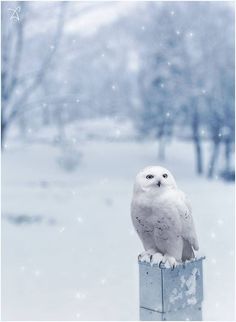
171, 294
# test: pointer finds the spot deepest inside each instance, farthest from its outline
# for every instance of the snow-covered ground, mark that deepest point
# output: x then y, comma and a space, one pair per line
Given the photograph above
69, 251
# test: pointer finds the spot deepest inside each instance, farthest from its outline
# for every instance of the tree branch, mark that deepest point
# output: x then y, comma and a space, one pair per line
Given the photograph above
45, 65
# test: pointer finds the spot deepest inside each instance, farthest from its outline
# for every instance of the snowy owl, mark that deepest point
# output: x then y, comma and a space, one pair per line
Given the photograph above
162, 217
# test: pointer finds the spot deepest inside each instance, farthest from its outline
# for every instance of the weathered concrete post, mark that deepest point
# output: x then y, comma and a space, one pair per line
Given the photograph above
173, 295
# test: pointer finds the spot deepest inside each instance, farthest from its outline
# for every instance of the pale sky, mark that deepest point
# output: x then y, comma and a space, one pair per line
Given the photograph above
87, 23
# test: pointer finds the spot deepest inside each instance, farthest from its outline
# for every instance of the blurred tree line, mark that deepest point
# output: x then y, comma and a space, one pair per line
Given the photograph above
168, 67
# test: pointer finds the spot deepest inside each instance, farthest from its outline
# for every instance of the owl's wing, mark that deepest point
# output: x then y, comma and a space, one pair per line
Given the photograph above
188, 228
144, 230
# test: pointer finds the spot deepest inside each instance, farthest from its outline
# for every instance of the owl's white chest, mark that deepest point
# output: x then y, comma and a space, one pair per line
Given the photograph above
158, 214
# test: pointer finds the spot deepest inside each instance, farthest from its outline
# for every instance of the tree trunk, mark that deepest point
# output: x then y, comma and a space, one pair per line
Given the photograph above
227, 155
196, 137
3, 134
198, 151
213, 159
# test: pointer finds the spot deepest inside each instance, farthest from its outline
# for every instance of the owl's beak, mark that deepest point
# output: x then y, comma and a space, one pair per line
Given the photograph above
159, 183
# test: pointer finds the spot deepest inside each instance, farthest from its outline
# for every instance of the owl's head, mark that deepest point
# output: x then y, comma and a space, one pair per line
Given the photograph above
154, 178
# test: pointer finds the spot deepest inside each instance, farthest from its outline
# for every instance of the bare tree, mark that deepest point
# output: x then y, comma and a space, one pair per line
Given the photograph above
13, 40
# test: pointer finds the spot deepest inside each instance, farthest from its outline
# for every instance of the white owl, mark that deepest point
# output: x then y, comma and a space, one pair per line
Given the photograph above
162, 217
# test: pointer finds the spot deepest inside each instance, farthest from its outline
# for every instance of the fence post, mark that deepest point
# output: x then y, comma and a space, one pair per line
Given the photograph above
167, 294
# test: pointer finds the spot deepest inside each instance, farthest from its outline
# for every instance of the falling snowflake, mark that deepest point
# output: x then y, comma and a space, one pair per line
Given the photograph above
79, 220
131, 232
213, 235
62, 229
113, 87
220, 222
117, 133
77, 315
37, 273
213, 260
103, 281
177, 32
80, 296
172, 13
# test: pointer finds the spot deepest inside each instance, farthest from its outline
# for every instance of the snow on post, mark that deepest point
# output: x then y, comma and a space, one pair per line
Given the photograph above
167, 294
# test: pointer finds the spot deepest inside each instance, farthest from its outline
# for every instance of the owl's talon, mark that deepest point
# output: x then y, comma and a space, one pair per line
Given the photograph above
146, 256
156, 259
171, 261
160, 264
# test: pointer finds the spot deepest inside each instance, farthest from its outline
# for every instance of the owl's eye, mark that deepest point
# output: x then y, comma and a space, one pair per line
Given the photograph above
165, 175
149, 176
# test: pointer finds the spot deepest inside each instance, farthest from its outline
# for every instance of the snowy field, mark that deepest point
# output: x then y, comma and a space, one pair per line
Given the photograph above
69, 251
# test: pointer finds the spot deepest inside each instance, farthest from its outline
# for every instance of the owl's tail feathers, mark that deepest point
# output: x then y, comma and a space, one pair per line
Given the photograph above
195, 243
187, 251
